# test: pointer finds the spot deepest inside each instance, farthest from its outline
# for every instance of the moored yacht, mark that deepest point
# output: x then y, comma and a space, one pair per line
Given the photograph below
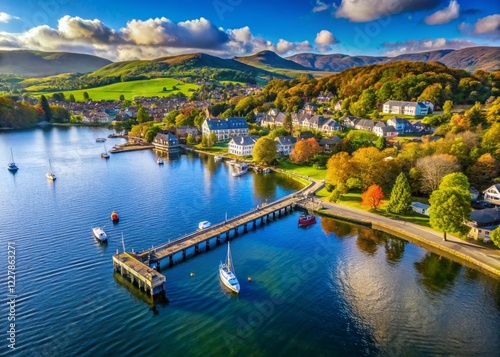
227, 274
99, 234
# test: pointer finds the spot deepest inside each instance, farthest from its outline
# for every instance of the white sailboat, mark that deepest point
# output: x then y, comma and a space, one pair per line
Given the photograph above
50, 175
12, 167
227, 274
105, 154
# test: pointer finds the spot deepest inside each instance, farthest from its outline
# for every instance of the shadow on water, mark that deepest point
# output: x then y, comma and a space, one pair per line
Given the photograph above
151, 301
437, 274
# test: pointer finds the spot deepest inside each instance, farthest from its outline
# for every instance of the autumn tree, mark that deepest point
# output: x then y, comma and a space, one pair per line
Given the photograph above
400, 201
370, 166
493, 112
287, 123
490, 142
304, 151
483, 171
447, 107
264, 151
338, 169
495, 236
372, 197
475, 114
433, 168
432, 93
450, 205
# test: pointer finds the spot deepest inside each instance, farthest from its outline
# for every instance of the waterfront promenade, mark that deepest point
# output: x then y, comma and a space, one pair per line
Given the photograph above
484, 258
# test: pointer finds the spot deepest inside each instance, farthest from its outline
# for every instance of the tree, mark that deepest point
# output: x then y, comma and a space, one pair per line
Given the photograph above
432, 93
433, 168
447, 107
190, 140
455, 180
212, 139
490, 142
449, 208
142, 115
338, 169
72, 98
495, 236
287, 122
122, 97
151, 133
372, 197
304, 151
169, 119
44, 104
475, 114
493, 112
484, 170
264, 151
400, 202
86, 96
380, 143
375, 115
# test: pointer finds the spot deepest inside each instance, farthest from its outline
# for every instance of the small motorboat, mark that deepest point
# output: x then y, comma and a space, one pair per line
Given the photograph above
100, 140
50, 175
204, 224
239, 169
114, 216
217, 158
159, 161
99, 234
306, 220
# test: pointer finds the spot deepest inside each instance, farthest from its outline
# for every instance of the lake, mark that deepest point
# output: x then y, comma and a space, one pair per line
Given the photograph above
332, 289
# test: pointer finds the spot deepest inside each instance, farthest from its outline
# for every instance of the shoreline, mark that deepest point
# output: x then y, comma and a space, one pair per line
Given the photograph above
486, 260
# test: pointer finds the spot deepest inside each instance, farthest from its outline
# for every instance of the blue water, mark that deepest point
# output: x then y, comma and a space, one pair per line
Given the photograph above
331, 289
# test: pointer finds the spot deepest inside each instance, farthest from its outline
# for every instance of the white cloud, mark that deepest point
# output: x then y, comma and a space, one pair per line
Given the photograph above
5, 18
445, 15
325, 38
320, 6
368, 10
489, 25
415, 46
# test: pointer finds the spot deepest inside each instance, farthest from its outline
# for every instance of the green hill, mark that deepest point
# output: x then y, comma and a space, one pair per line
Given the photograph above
198, 65
271, 61
43, 64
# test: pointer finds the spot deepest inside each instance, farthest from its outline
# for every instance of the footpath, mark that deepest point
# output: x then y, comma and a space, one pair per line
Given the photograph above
485, 259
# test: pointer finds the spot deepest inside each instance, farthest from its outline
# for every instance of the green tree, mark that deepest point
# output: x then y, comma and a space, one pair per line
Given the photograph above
450, 205
212, 139
170, 117
86, 96
72, 98
287, 122
151, 133
400, 202
495, 236
122, 97
204, 141
493, 112
190, 140
264, 151
380, 143
475, 114
44, 104
375, 115
142, 115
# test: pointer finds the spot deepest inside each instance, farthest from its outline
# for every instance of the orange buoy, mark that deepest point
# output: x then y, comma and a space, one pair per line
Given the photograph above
249, 279
192, 274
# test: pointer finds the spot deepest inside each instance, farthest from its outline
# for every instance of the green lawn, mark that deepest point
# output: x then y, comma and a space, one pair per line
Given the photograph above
242, 84
305, 170
144, 88
353, 199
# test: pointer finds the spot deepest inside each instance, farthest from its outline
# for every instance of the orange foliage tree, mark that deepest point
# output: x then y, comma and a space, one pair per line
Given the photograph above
372, 197
304, 151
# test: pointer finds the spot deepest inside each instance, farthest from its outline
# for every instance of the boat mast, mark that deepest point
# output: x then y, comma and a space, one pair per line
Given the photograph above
123, 243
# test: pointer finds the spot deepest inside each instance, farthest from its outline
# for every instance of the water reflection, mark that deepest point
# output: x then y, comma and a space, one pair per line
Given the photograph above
339, 228
394, 249
368, 240
263, 187
437, 274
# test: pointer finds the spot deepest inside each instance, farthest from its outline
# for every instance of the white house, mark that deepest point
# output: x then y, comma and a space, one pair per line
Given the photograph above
285, 144
408, 108
420, 208
225, 129
273, 118
387, 131
241, 145
492, 194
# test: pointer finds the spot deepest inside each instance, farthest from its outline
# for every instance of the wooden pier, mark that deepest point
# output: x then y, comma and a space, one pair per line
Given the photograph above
140, 266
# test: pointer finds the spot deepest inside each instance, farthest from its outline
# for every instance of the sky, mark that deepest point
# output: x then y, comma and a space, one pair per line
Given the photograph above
141, 29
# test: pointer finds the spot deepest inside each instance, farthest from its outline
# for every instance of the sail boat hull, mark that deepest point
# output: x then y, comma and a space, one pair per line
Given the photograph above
12, 167
228, 279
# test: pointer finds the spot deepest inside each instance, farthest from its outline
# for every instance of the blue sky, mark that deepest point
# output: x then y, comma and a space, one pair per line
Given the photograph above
122, 30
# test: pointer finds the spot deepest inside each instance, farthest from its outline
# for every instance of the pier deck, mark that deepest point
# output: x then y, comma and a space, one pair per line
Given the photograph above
138, 265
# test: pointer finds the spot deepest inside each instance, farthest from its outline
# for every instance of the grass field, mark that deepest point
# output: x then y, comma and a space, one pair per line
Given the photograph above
309, 171
132, 89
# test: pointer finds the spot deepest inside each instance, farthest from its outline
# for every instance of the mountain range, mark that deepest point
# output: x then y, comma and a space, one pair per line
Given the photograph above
260, 66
